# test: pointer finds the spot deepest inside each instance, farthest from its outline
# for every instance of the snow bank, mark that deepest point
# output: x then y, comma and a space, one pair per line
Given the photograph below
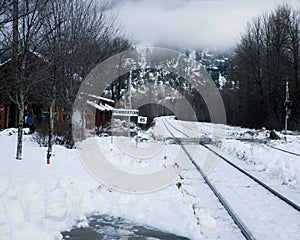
30, 212
264, 158
38, 201
251, 146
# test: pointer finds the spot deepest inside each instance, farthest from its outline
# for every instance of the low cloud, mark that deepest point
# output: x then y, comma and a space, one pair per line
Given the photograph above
190, 23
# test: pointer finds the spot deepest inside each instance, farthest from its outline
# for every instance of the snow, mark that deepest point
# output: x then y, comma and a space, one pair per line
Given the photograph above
101, 98
5, 62
249, 146
282, 165
100, 106
222, 81
38, 201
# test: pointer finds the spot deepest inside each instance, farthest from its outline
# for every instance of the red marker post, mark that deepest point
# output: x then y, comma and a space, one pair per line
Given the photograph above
48, 157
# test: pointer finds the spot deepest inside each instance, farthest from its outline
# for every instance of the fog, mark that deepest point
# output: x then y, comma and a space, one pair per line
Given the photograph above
190, 23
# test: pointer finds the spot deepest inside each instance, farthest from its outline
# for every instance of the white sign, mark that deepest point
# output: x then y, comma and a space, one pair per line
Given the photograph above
142, 120
126, 112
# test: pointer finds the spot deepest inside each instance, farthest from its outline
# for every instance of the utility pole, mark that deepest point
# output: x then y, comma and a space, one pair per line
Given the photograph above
129, 99
287, 105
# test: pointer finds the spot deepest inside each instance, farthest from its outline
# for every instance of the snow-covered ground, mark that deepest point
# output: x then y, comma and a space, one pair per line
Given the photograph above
38, 201
254, 148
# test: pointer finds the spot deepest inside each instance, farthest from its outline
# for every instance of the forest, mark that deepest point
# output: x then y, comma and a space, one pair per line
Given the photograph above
266, 57
47, 48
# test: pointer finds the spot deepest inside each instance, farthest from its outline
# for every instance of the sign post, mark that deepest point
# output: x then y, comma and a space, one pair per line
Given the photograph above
124, 113
141, 120
288, 105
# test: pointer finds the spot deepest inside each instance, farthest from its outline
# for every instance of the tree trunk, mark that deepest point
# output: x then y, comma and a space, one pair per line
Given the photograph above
20, 126
7, 117
51, 124
20, 102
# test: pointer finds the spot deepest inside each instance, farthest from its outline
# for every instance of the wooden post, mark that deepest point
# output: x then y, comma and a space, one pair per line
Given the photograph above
7, 117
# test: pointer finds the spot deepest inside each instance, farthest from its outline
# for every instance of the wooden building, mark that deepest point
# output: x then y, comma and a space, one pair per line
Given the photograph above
8, 109
99, 114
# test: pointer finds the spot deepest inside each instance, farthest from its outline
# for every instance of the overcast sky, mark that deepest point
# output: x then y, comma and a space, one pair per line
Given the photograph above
190, 23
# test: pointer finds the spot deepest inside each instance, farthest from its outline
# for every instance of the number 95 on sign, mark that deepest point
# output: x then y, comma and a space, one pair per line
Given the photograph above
142, 120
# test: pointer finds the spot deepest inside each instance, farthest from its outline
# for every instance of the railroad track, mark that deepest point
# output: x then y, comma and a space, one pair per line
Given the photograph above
246, 140
238, 220
282, 150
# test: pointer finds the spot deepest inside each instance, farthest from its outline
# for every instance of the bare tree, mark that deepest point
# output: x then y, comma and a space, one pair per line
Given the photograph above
267, 55
293, 26
77, 35
22, 39
69, 37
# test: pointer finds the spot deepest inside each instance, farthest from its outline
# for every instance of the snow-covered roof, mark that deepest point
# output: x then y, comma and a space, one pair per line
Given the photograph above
101, 98
93, 104
39, 55
1, 64
35, 53
108, 107
100, 106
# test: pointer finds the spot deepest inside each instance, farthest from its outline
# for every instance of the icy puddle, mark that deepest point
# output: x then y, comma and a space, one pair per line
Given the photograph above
104, 227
